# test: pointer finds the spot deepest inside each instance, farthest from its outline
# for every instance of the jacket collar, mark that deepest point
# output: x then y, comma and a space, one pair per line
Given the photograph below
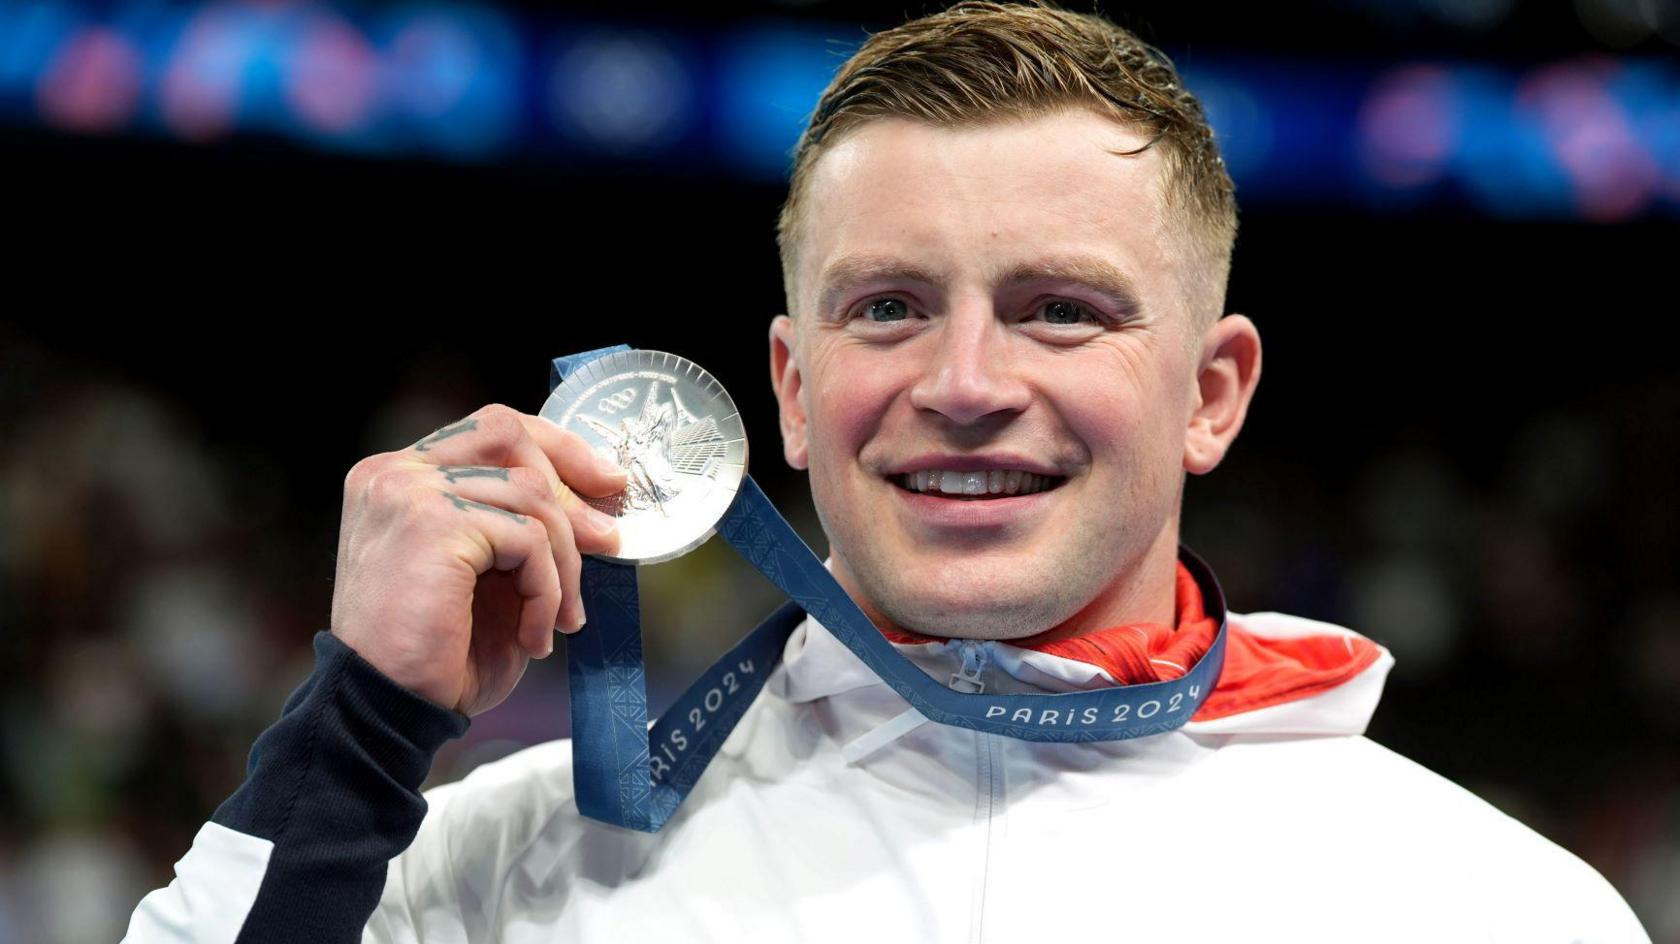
1283, 674
820, 665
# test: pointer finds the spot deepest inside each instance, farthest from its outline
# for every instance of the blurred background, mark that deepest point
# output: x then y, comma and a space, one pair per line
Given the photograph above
256, 241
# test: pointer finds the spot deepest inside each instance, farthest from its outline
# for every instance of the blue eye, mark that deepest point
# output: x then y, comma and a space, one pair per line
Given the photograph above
1063, 312
886, 309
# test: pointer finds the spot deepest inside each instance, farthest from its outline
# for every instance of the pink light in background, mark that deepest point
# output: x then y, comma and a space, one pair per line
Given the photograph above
331, 76
1409, 126
1615, 177
93, 83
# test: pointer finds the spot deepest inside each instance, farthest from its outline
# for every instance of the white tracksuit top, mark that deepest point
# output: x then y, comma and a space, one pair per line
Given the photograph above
832, 815
1280, 824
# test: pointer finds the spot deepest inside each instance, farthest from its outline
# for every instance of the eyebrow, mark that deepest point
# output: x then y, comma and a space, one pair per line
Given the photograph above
848, 271
1097, 275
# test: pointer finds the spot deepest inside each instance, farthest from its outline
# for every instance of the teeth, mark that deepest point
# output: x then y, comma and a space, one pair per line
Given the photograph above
994, 482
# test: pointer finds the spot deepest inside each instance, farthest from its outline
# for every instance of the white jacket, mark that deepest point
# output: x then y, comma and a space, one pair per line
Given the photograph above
831, 815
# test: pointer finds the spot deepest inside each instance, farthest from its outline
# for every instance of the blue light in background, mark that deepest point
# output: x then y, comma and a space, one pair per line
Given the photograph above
1651, 90
1242, 122
770, 78
624, 91
1591, 138
453, 83
220, 71
30, 35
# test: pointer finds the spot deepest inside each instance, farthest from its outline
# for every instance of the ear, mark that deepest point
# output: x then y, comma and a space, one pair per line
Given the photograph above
786, 380
1226, 376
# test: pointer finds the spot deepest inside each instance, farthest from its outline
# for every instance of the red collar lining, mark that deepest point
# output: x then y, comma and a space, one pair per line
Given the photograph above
1259, 672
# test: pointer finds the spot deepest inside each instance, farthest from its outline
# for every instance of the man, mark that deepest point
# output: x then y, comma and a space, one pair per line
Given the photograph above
1005, 251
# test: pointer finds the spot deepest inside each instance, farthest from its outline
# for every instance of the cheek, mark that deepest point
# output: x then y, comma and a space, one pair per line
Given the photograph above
847, 408
1137, 402
1129, 431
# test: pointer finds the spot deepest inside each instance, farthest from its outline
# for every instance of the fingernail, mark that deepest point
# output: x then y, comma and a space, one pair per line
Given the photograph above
600, 520
607, 464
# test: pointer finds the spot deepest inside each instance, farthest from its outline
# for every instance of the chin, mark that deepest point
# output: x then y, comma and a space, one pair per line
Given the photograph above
974, 609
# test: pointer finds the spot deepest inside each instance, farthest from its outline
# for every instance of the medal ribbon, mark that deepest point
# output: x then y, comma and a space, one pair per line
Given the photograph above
626, 774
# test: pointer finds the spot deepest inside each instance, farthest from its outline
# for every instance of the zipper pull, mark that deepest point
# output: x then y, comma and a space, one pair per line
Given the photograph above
967, 679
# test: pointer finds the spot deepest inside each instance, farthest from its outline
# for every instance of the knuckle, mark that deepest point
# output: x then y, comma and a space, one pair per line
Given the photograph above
501, 424
530, 481
497, 413
389, 488
493, 409
356, 479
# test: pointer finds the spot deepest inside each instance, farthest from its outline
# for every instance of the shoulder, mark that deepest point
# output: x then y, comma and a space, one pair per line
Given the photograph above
1431, 835
1541, 886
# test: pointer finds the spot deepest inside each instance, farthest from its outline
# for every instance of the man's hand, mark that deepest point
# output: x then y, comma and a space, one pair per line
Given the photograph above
459, 556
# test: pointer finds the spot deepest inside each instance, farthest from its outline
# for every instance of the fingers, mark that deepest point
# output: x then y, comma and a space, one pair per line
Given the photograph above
581, 467
498, 435
524, 491
491, 435
585, 472
500, 539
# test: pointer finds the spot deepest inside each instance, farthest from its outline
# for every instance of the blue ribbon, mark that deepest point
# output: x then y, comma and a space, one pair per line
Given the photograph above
629, 775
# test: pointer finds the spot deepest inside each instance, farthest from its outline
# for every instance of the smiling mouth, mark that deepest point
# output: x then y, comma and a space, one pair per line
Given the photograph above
995, 483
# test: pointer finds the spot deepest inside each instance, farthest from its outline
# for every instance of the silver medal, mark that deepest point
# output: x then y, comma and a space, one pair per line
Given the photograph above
673, 428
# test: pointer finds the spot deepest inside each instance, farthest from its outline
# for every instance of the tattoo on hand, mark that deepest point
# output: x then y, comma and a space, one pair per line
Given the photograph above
462, 427
467, 504
455, 473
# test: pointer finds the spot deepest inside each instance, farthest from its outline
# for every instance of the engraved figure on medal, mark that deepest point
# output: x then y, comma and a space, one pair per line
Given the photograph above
684, 464
653, 446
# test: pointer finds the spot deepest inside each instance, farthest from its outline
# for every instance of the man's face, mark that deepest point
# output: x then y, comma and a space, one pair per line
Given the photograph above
990, 378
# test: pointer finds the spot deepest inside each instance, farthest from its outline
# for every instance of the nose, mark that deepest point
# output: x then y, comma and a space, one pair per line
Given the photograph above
972, 375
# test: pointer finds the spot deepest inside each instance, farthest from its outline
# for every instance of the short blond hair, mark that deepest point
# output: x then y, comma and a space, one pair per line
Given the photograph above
979, 61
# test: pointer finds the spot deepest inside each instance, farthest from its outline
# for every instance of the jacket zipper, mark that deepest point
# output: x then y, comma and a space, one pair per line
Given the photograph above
988, 785
967, 678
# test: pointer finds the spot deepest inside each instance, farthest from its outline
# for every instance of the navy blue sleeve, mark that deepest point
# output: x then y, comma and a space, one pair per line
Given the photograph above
335, 785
